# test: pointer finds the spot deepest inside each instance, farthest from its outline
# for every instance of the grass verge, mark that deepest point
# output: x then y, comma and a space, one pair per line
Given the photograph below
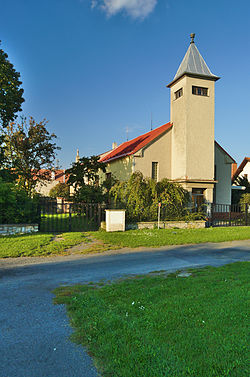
162, 237
32, 245
40, 244
164, 325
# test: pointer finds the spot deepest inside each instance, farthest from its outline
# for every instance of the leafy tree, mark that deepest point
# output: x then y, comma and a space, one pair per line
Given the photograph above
83, 175
141, 196
109, 182
11, 93
61, 190
30, 152
85, 171
15, 205
89, 194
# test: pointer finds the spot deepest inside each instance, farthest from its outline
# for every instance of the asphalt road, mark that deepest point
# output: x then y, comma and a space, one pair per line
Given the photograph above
34, 332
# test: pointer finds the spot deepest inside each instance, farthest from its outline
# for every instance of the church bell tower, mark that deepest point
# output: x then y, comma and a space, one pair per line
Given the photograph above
192, 115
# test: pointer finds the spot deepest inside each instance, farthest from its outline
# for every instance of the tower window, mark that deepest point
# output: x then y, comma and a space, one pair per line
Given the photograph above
199, 91
155, 171
178, 93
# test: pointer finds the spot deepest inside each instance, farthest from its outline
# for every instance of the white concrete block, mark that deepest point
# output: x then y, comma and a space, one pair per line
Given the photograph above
115, 220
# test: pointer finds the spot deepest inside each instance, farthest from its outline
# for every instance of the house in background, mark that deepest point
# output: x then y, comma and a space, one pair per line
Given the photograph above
243, 170
183, 150
54, 177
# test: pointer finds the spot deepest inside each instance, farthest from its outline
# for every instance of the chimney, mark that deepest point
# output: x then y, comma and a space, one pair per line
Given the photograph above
114, 145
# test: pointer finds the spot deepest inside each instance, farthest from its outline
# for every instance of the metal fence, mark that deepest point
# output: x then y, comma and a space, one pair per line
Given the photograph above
70, 217
55, 216
230, 215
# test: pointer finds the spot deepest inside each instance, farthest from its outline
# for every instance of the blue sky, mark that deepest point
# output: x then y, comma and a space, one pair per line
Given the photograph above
93, 68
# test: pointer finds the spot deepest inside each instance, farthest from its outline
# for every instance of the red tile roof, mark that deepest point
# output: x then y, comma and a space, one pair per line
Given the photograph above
134, 145
59, 176
240, 168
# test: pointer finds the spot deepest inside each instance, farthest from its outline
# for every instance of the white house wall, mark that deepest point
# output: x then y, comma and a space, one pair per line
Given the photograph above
246, 171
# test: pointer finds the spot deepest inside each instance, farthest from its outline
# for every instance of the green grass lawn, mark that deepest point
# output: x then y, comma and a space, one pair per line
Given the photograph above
38, 244
162, 237
159, 325
61, 222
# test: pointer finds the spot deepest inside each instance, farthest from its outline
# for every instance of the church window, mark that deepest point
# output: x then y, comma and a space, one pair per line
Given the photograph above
178, 93
155, 171
199, 91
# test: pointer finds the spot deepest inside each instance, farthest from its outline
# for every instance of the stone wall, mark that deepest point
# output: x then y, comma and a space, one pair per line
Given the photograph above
168, 225
8, 229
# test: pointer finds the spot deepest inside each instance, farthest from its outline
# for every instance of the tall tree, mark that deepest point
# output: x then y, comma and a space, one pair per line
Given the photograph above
30, 151
85, 171
83, 175
11, 93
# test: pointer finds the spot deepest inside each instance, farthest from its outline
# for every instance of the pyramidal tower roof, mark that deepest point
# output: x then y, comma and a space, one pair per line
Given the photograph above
193, 64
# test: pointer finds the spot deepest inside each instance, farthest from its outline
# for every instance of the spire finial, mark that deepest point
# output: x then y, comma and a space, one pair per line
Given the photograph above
77, 155
192, 35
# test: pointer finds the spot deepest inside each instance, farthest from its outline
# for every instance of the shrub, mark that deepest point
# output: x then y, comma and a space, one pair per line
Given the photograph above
15, 205
141, 196
245, 199
88, 194
61, 190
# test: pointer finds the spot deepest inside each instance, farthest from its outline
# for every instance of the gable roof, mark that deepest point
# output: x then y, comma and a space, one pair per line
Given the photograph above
59, 175
132, 146
240, 168
223, 150
193, 64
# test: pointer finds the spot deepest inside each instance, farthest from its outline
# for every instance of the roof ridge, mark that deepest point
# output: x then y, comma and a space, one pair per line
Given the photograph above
131, 146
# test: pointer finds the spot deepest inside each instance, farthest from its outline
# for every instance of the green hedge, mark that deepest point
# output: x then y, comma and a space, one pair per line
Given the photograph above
15, 205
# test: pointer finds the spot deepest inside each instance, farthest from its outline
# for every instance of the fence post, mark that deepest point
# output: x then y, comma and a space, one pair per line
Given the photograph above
70, 224
159, 214
99, 215
230, 209
39, 215
246, 212
211, 214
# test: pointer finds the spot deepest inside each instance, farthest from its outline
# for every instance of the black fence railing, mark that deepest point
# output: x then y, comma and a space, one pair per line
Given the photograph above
62, 216
70, 217
230, 215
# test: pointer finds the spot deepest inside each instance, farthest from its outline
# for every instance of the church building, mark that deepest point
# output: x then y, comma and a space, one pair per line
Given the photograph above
183, 150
